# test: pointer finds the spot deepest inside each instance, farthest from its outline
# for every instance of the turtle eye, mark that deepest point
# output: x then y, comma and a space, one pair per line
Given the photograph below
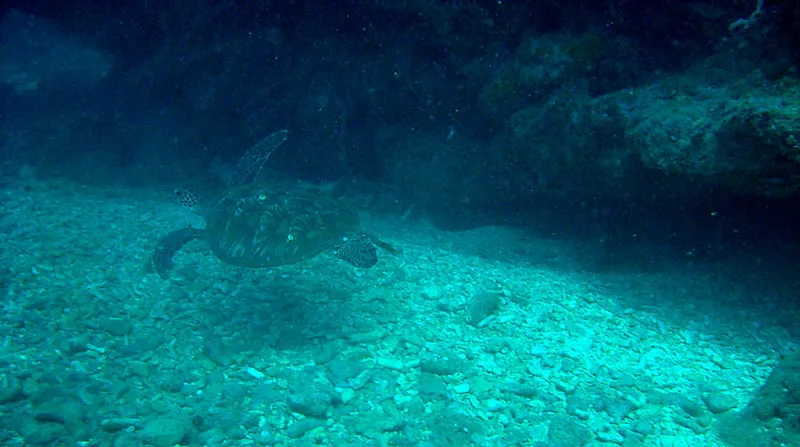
262, 197
289, 237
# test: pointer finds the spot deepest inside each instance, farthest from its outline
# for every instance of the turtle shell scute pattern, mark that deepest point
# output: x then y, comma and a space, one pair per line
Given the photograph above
256, 227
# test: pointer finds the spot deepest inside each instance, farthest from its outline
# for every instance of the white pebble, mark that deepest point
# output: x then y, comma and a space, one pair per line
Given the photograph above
255, 373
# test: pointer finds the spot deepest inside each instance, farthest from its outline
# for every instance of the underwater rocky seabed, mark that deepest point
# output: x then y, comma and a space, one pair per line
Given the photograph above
488, 337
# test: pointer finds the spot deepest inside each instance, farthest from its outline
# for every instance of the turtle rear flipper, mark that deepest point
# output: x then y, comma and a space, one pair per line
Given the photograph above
361, 250
161, 260
358, 251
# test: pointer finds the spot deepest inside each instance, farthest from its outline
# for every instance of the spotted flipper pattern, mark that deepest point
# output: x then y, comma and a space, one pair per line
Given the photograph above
358, 251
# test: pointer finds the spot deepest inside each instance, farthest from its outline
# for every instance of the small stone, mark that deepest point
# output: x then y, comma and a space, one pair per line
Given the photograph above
482, 305
567, 431
302, 427
692, 408
431, 388
461, 388
444, 365
391, 363
344, 370
693, 424
118, 424
432, 292
164, 431
254, 373
76, 345
526, 390
347, 394
60, 411
237, 433
10, 390
644, 427
265, 437
313, 403
361, 380
719, 402
495, 405
116, 326
610, 436
367, 337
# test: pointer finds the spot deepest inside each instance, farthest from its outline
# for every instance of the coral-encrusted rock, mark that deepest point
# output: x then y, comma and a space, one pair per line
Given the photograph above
718, 136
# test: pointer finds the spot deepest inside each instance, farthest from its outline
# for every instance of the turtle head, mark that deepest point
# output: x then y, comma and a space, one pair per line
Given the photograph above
187, 197
191, 200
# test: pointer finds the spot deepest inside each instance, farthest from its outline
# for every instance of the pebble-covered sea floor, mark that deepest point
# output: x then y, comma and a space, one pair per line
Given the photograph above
488, 337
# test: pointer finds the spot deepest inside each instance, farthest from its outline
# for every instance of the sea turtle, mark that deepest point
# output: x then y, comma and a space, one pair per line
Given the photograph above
256, 226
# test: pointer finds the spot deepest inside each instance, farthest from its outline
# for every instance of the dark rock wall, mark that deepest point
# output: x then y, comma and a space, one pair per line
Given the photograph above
459, 107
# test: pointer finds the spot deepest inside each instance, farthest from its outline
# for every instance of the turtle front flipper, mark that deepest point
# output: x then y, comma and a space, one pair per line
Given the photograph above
161, 260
